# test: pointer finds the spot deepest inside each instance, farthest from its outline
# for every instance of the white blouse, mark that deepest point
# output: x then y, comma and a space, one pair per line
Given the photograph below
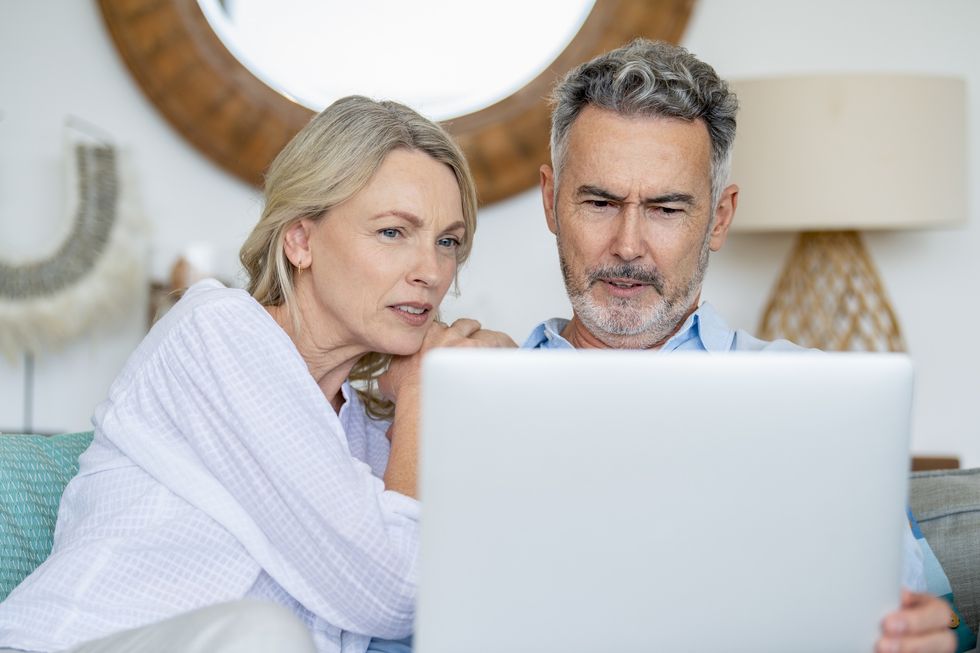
219, 471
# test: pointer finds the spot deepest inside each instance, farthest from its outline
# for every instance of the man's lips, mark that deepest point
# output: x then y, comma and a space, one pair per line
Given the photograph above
620, 282
622, 287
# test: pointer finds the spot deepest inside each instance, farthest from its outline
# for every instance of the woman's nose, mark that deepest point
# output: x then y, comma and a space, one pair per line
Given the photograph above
425, 270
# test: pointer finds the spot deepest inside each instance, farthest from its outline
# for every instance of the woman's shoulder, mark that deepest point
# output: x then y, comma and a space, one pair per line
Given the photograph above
212, 294
212, 305
207, 311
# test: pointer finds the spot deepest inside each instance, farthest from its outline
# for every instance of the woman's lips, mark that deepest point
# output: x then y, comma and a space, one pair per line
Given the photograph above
411, 313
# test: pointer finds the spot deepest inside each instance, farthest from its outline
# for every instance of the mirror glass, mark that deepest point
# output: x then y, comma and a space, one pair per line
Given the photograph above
445, 58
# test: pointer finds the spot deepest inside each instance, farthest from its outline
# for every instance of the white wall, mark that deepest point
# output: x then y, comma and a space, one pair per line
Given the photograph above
56, 58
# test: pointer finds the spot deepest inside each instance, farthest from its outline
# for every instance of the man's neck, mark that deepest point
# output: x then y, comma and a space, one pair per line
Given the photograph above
580, 337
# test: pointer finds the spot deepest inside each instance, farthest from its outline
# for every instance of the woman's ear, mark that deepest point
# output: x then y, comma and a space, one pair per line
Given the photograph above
296, 243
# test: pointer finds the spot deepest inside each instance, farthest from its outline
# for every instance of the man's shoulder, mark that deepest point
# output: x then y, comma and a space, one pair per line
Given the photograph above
744, 341
717, 336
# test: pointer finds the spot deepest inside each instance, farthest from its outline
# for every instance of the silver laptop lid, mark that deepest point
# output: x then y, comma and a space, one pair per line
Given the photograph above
607, 501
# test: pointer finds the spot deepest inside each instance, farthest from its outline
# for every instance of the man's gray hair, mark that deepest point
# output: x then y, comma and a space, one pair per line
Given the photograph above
649, 78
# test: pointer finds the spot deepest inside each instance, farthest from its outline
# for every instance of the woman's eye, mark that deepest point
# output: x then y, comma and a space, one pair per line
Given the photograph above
448, 241
390, 233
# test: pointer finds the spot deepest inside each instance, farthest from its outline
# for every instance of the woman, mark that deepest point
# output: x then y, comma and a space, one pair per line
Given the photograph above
233, 458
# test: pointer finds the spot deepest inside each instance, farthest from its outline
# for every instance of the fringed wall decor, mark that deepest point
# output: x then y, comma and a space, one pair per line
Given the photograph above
93, 276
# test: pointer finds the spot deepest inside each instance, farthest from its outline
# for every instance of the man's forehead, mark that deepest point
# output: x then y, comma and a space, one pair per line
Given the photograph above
606, 148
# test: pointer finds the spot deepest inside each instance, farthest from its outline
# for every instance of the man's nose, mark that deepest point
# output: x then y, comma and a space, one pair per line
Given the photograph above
628, 240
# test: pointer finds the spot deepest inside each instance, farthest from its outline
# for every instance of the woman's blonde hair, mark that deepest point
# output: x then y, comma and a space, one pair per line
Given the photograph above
325, 164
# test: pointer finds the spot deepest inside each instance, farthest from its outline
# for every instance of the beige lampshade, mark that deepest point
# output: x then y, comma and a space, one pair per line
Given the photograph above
850, 152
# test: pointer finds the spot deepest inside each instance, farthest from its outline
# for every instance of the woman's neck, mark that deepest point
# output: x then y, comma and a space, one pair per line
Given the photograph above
329, 363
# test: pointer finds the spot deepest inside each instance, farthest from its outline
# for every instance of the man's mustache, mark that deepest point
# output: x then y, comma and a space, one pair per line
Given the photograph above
631, 272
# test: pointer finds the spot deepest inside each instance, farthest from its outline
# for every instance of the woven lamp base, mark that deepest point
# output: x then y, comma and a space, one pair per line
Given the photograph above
830, 297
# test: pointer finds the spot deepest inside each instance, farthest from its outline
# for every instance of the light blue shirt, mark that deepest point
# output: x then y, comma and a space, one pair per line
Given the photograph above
705, 330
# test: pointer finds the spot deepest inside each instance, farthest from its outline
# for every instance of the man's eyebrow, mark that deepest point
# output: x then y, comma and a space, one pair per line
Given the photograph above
671, 198
666, 198
595, 191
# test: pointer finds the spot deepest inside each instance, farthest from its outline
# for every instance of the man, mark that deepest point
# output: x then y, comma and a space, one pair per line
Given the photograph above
637, 199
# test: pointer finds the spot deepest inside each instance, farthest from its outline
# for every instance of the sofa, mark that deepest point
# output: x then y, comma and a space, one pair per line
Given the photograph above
34, 470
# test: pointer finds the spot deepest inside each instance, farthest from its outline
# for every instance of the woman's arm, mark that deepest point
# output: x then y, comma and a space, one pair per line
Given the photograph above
402, 384
224, 413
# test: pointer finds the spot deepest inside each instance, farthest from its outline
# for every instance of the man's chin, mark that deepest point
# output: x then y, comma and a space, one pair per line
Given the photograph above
622, 332
644, 340
628, 328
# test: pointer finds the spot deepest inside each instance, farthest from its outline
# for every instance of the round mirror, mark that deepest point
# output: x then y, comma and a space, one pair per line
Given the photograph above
232, 112
416, 55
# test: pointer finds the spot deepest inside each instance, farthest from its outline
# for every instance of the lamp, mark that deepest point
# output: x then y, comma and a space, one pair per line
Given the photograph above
827, 156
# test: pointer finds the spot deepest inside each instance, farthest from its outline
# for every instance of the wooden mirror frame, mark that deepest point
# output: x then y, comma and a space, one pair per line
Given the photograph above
241, 124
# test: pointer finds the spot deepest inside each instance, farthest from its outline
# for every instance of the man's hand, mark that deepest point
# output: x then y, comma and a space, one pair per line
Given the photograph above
920, 625
404, 370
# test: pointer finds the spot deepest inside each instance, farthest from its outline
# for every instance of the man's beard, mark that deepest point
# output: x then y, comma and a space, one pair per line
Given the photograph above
625, 321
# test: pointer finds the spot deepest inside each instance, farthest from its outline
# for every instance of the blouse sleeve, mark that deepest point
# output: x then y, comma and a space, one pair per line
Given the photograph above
238, 427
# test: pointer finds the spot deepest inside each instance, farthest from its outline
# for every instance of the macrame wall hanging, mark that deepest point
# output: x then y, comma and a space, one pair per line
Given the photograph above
94, 275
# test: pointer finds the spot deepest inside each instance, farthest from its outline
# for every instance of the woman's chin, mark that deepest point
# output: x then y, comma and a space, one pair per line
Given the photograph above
401, 346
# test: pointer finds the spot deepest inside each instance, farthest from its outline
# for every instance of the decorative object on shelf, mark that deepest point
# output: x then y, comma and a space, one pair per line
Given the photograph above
828, 155
95, 274
195, 263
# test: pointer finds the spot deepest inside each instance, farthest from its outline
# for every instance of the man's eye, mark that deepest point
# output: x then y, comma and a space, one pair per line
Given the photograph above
599, 204
666, 210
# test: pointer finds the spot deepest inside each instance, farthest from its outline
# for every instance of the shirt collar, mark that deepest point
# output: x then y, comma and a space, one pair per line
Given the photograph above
705, 325
547, 335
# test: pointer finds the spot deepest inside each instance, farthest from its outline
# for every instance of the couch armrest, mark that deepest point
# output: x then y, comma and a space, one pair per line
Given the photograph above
947, 506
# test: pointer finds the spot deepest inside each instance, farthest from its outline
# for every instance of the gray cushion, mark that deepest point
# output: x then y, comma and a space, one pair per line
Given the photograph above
947, 507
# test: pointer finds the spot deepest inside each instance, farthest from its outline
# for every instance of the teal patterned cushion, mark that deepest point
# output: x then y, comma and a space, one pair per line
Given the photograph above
34, 471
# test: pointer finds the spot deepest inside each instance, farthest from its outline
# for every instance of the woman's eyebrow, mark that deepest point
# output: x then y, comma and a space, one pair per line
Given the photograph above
415, 220
404, 215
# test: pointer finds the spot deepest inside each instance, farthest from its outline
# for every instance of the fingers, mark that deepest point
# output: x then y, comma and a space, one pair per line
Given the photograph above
464, 332
439, 333
938, 642
921, 624
465, 326
920, 613
487, 338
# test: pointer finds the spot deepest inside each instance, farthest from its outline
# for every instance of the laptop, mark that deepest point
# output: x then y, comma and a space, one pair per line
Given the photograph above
601, 501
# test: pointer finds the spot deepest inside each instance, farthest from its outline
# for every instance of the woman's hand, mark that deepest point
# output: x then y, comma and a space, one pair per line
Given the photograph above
401, 384
404, 371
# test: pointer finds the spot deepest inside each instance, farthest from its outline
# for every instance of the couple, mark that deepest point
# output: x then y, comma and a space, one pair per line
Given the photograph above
251, 482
